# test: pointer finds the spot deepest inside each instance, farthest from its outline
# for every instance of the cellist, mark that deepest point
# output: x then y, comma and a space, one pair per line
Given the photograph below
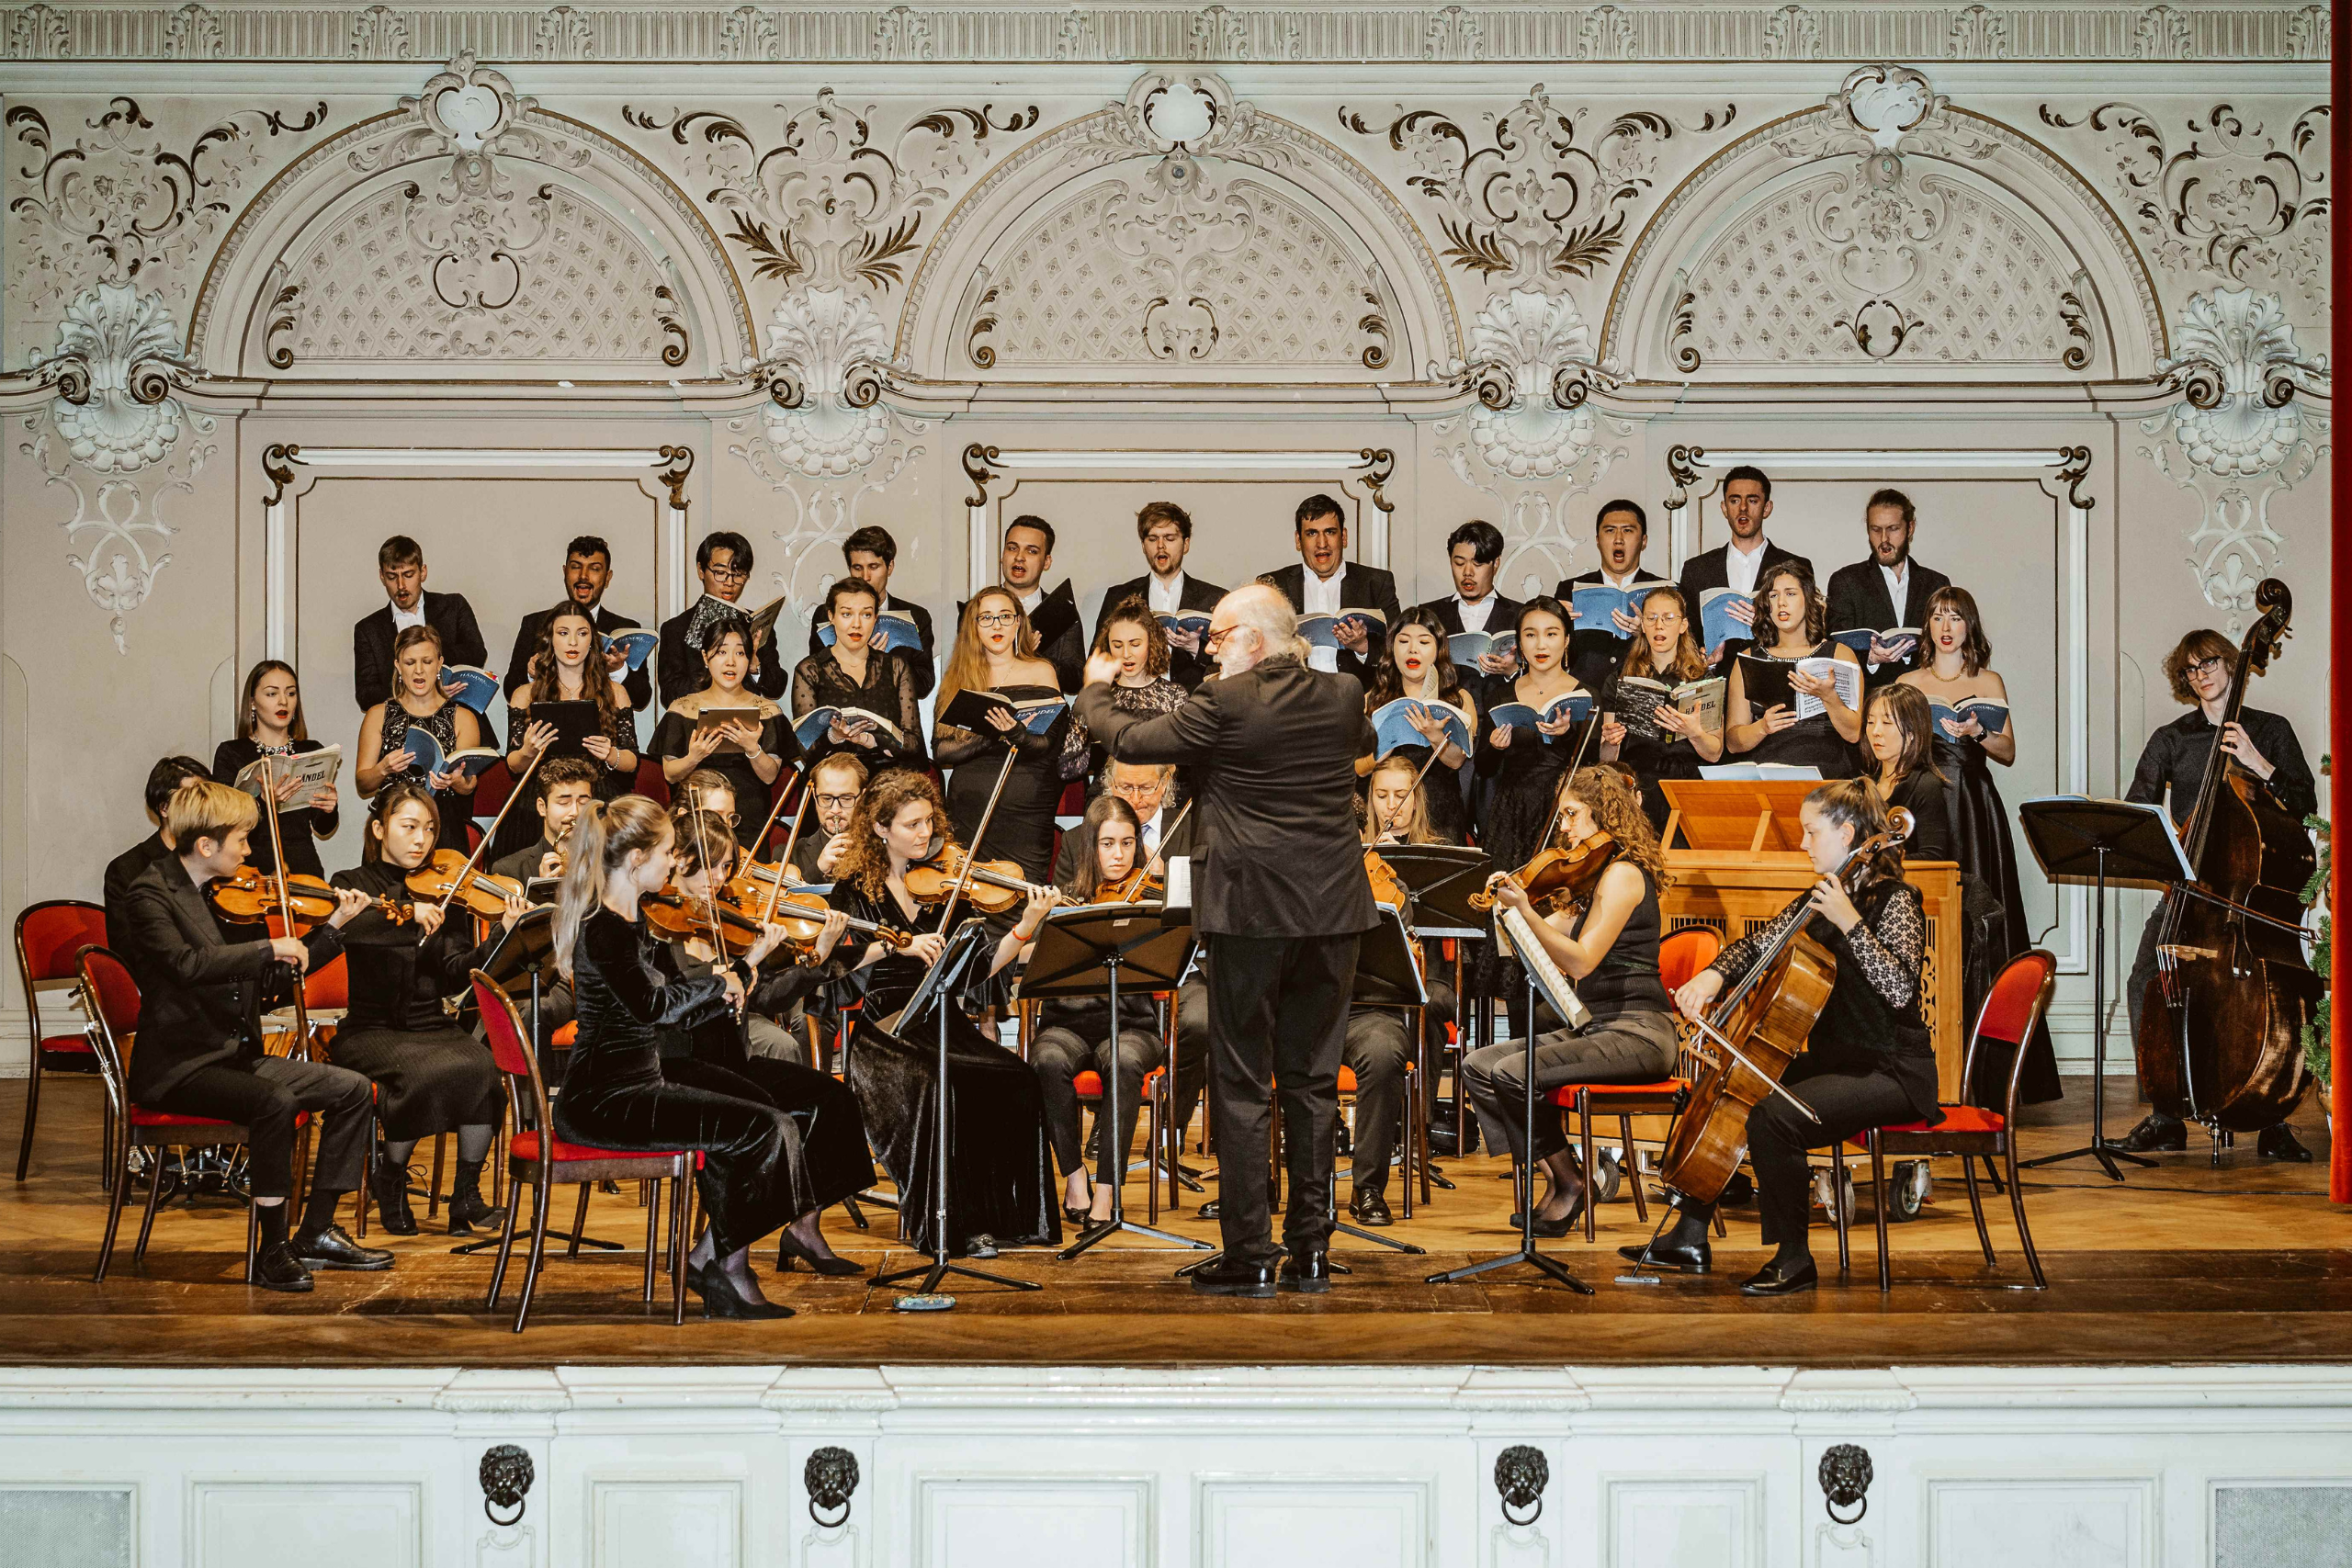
1869, 1061
2199, 669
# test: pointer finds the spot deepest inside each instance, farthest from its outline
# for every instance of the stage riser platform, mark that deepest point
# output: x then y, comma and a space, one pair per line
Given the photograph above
690, 1467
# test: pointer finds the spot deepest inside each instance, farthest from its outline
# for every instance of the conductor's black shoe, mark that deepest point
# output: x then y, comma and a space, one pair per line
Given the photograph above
1369, 1206
1693, 1259
331, 1248
1778, 1279
2156, 1133
2279, 1143
278, 1269
1229, 1277
1310, 1275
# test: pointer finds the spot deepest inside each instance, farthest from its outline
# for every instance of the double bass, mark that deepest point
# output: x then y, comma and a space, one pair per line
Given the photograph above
2221, 1030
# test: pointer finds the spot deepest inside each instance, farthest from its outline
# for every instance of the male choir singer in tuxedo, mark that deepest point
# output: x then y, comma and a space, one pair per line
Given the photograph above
1887, 591
587, 572
1165, 530
723, 562
1474, 554
400, 562
872, 555
1325, 582
1280, 901
1747, 501
1621, 532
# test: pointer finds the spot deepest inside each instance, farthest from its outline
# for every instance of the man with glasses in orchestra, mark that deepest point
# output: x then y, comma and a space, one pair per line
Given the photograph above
2202, 668
723, 562
834, 784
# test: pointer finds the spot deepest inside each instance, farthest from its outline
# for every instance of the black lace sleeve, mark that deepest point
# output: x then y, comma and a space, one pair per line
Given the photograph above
1741, 957
1889, 946
952, 748
910, 700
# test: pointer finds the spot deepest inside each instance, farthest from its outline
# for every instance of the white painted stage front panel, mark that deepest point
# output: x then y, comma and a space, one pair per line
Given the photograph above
1277, 1522
352, 1523
975, 1520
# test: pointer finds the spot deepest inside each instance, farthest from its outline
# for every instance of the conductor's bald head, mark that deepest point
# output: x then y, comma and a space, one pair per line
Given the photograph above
1250, 624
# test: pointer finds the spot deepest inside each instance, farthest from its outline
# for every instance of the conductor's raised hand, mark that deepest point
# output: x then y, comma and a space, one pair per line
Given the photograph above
1101, 669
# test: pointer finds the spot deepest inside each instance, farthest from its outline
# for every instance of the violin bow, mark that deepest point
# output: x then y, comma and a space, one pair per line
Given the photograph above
285, 894
1135, 894
710, 892
505, 806
791, 839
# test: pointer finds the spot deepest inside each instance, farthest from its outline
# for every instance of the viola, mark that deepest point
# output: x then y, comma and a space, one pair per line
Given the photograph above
1388, 890
1567, 876
246, 896
996, 886
2222, 1029
801, 914
452, 876
1766, 1016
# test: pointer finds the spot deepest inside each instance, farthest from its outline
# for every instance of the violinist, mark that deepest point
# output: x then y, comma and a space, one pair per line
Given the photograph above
1869, 1061
997, 1139
2200, 669
1396, 805
1415, 665
1791, 623
1131, 634
996, 651
1524, 767
1606, 942
834, 785
163, 780
1663, 650
431, 1076
417, 703
749, 753
1075, 1035
269, 723
561, 790
618, 1093
200, 1049
834, 1162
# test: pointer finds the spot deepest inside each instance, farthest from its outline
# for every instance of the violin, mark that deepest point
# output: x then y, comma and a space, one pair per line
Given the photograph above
682, 916
2221, 1032
800, 913
1132, 888
247, 898
1563, 875
451, 876
1762, 1022
1389, 891
996, 887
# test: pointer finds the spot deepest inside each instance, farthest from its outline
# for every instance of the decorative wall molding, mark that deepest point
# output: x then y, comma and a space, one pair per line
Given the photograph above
288, 31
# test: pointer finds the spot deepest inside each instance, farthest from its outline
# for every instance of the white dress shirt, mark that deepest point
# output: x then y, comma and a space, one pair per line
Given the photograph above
403, 619
1031, 600
1741, 567
1898, 588
1321, 597
1164, 596
1474, 613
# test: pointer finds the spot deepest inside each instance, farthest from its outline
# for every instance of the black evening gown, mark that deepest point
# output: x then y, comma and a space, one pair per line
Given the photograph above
300, 826
442, 724
889, 691
521, 827
754, 794
1023, 828
1997, 923
1000, 1173
434, 1078
1650, 759
619, 1094
1808, 743
1449, 814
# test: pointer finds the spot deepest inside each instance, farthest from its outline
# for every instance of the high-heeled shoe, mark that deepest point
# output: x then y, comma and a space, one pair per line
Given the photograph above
1555, 1229
790, 1247
721, 1299
694, 1278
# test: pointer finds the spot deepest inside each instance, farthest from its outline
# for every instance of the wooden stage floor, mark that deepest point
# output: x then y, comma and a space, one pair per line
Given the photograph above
2183, 1263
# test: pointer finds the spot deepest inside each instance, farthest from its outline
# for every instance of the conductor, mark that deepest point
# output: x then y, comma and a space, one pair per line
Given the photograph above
1281, 902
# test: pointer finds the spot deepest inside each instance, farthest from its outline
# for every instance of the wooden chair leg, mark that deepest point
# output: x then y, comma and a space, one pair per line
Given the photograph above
1837, 1206
682, 1189
106, 1143
1878, 1196
359, 1199
32, 1112
2017, 1207
1584, 1152
1976, 1207
579, 1223
1632, 1169
253, 1243
147, 1220
538, 1254
114, 1209
1152, 1150
505, 1250
652, 1234
1992, 1172
432, 1188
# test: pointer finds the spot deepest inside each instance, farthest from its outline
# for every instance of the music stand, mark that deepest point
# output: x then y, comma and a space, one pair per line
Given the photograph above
1080, 954
2078, 840
937, 991
1440, 878
1573, 1013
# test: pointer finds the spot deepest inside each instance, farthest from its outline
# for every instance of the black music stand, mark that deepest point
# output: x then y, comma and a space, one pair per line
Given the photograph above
938, 991
1573, 1013
2081, 841
527, 950
1440, 878
1080, 954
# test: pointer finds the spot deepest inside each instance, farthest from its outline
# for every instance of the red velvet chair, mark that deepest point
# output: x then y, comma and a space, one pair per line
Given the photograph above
111, 998
535, 1154
2021, 995
50, 936
649, 782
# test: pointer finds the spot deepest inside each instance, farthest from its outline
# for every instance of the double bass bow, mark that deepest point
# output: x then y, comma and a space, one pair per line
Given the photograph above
2222, 1031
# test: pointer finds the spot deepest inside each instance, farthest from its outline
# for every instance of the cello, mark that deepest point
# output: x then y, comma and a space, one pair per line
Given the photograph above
2222, 1031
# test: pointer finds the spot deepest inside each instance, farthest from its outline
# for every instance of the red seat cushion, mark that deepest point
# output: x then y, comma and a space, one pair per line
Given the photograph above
142, 1117
526, 1146
1089, 1083
67, 1044
565, 1038
1564, 1096
1957, 1119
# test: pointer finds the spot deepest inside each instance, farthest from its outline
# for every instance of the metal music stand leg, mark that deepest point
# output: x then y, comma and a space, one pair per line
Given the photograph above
2099, 1148
1527, 1254
1118, 1220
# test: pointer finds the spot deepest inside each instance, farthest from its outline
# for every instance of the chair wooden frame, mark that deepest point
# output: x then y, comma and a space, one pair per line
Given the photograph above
54, 980
544, 1170
1912, 1141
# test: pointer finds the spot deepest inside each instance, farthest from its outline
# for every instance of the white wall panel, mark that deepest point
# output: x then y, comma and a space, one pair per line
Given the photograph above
2041, 1524
1684, 1522
348, 1524
1283, 1523
981, 1521
666, 1524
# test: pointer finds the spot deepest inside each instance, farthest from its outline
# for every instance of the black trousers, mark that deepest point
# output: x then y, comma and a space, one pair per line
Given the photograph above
752, 1153
263, 1094
1847, 1099
1057, 1055
1278, 1022
1191, 1049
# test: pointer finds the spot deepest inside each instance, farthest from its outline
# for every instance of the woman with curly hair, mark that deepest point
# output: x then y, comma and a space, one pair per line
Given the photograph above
1608, 946
1791, 623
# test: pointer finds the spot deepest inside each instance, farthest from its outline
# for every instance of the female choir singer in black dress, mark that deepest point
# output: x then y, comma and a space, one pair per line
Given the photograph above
1525, 767
432, 1075
269, 723
1958, 667
1663, 650
418, 703
1415, 664
1869, 1061
568, 666
850, 672
1000, 1176
748, 754
1790, 623
618, 1093
996, 651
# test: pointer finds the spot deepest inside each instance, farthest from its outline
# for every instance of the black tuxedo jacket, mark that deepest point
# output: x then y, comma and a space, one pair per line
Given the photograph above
1597, 652
1705, 570
1068, 854
926, 669
121, 872
1185, 668
1857, 597
1361, 587
679, 670
199, 993
517, 674
1272, 753
372, 637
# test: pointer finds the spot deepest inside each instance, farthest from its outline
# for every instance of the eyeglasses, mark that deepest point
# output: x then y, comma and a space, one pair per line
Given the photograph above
998, 618
833, 800
728, 573
1216, 635
2207, 666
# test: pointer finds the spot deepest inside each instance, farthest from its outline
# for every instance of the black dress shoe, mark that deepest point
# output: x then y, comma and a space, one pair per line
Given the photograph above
468, 1209
2280, 1142
1309, 1275
1231, 1277
790, 1247
389, 1184
331, 1249
1209, 1209
1369, 1206
1688, 1259
278, 1269
2156, 1133
721, 1299
1778, 1279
